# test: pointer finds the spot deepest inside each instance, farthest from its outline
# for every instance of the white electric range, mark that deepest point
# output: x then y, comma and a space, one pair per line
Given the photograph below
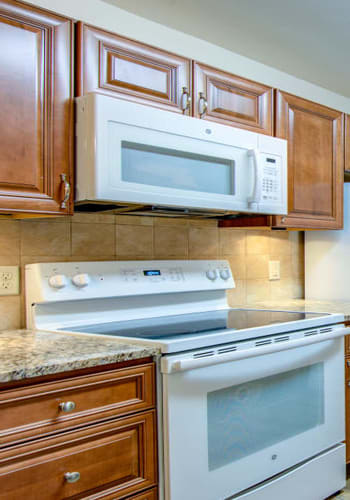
251, 403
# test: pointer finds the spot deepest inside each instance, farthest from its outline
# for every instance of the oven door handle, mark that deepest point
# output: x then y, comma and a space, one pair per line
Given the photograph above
176, 364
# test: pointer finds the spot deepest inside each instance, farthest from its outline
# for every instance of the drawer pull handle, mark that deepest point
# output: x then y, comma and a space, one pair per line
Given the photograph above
67, 406
72, 477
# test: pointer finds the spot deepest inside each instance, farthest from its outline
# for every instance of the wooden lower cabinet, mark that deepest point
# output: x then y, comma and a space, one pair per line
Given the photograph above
105, 457
151, 494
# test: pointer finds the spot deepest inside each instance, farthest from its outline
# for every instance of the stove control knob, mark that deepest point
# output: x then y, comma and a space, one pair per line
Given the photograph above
224, 274
81, 280
211, 274
58, 281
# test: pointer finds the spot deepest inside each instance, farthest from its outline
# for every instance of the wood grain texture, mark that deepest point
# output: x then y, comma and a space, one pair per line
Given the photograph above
130, 70
34, 410
347, 144
36, 111
117, 457
151, 494
233, 100
315, 162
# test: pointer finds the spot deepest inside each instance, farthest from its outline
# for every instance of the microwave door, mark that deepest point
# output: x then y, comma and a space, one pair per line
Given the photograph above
146, 166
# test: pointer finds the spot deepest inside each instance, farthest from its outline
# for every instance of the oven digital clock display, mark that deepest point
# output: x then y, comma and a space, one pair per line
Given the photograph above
152, 272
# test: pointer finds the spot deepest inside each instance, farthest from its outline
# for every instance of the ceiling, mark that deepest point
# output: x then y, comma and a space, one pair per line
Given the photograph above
306, 38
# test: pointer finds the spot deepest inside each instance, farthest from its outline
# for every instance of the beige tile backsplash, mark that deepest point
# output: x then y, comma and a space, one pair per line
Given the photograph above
109, 237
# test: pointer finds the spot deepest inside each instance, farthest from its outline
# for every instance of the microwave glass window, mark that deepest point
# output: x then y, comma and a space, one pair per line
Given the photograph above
155, 166
252, 416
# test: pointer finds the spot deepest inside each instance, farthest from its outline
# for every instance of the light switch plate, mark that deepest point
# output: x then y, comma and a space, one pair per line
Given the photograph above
9, 280
274, 270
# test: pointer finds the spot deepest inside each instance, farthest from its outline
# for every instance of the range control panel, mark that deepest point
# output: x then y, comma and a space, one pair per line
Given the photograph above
87, 280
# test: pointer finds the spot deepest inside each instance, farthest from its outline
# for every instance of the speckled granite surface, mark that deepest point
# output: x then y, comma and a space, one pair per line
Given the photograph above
303, 305
26, 353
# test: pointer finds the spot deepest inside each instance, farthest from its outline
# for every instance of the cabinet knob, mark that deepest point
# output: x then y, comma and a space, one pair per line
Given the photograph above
283, 220
72, 477
185, 99
202, 104
67, 406
66, 194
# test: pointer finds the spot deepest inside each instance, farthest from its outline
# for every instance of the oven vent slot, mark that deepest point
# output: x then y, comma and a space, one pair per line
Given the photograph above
311, 332
263, 342
326, 330
223, 350
205, 354
282, 339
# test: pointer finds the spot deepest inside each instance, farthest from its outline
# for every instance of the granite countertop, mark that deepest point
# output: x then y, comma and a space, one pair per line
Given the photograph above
303, 305
26, 353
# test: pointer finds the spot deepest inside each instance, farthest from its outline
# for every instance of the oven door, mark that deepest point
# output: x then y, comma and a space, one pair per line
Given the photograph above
231, 425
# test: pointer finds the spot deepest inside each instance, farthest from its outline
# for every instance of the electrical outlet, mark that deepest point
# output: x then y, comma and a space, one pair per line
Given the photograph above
9, 280
274, 270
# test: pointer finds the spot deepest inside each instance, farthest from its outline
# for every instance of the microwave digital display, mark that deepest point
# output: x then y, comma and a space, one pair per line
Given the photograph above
152, 272
270, 160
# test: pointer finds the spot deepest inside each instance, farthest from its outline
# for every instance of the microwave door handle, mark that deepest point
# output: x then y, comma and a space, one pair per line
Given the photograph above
169, 365
254, 199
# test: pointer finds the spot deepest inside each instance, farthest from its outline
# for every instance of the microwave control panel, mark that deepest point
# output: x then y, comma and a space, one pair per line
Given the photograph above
270, 179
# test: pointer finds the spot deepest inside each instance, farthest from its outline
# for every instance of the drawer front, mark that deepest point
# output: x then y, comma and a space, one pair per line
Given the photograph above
33, 410
130, 70
116, 458
151, 494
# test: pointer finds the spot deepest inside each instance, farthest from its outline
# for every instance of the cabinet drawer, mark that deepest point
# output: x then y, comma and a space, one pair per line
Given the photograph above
118, 457
33, 410
131, 70
151, 494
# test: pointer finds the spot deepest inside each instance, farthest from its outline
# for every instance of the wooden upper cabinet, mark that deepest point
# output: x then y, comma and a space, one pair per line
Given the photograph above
36, 110
315, 162
232, 100
131, 70
347, 144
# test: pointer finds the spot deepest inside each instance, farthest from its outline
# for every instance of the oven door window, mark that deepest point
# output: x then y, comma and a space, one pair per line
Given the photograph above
176, 169
252, 416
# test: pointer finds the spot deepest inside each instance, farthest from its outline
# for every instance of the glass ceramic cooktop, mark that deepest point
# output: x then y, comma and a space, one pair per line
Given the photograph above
194, 324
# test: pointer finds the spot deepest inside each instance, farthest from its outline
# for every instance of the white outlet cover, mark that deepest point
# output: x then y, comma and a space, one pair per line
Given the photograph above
274, 270
9, 280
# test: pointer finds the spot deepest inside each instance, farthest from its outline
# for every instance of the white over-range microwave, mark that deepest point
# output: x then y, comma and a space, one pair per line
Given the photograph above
136, 157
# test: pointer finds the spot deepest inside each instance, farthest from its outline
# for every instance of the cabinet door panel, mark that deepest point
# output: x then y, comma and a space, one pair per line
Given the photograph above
315, 162
127, 69
233, 100
117, 457
36, 109
347, 144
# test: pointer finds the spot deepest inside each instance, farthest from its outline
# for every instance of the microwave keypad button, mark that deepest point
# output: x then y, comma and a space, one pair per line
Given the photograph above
211, 274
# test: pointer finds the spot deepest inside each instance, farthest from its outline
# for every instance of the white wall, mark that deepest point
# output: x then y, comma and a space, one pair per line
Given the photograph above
104, 15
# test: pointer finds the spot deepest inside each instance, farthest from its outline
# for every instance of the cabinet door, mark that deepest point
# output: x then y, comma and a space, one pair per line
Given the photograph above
117, 457
347, 144
229, 99
36, 110
131, 70
315, 162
